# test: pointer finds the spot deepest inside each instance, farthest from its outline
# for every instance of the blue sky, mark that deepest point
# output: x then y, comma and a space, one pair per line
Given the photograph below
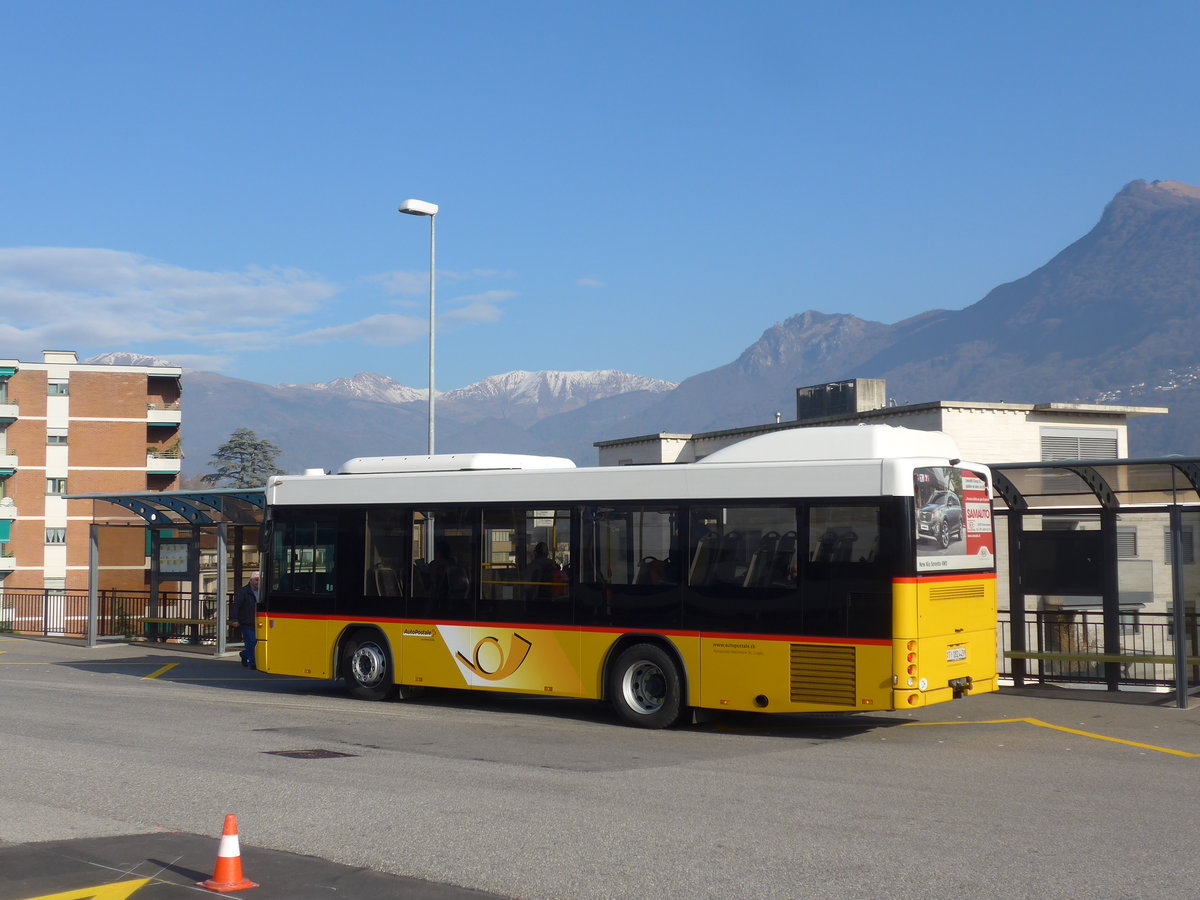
643, 186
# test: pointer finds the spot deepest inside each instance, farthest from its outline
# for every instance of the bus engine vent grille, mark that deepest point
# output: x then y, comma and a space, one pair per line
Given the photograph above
823, 674
969, 591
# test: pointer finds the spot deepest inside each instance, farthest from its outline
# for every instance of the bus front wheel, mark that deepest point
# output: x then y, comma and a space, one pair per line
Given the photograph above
645, 687
367, 666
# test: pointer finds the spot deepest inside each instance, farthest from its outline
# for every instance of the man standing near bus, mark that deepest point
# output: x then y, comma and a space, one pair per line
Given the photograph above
245, 608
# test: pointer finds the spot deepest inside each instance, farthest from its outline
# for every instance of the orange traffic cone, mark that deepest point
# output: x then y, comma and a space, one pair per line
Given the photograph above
227, 876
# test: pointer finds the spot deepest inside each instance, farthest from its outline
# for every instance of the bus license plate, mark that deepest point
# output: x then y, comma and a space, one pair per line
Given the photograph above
956, 654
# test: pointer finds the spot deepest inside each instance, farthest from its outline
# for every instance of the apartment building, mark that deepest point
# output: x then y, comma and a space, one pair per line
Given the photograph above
70, 427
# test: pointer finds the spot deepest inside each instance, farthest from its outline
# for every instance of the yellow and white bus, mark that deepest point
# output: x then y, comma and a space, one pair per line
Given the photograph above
803, 570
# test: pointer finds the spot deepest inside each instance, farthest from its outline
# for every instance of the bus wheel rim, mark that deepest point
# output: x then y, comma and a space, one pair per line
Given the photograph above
644, 687
368, 665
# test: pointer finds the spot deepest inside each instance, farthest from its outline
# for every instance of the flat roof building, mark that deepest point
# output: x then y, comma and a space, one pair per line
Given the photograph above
984, 432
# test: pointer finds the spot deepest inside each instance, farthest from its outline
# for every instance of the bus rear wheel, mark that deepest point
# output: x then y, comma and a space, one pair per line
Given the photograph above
645, 687
367, 666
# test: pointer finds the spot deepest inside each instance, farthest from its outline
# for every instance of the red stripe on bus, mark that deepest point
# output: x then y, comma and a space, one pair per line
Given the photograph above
926, 579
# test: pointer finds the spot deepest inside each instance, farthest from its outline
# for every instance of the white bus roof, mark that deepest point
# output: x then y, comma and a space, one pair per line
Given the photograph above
867, 461
450, 462
837, 442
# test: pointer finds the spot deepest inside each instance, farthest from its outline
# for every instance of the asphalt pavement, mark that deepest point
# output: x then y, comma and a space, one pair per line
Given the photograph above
120, 762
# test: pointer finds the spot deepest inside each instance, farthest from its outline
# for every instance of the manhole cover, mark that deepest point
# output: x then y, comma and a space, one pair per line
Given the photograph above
308, 754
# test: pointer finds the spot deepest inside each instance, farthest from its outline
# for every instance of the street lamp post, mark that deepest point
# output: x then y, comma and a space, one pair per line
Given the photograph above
421, 208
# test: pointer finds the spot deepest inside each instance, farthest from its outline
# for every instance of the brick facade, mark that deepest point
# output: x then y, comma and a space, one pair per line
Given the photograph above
102, 429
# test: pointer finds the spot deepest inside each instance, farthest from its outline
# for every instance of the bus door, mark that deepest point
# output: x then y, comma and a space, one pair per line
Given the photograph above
524, 638
441, 606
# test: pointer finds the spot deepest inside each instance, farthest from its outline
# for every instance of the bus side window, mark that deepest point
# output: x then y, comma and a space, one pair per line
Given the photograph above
846, 589
445, 563
387, 542
743, 546
631, 545
843, 534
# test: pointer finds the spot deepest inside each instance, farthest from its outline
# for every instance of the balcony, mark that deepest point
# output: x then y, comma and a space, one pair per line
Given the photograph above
8, 410
163, 413
163, 461
8, 562
8, 464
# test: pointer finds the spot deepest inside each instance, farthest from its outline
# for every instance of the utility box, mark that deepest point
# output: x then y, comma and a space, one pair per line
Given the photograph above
840, 398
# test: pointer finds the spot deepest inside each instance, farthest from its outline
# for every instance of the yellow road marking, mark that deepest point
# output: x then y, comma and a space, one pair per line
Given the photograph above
167, 668
1088, 734
117, 891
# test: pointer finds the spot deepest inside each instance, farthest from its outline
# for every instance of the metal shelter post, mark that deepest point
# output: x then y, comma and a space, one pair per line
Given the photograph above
93, 616
1178, 611
1016, 598
1111, 597
222, 578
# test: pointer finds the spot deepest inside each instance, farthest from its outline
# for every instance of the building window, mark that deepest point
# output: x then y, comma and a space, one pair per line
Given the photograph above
56, 535
56, 486
1078, 443
1127, 541
57, 388
1188, 550
56, 436
1130, 622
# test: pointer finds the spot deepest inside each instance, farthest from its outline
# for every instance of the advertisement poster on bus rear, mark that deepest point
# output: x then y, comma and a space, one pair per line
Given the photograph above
954, 520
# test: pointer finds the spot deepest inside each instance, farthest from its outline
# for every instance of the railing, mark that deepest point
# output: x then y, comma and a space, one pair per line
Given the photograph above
122, 615
1067, 646
164, 404
164, 452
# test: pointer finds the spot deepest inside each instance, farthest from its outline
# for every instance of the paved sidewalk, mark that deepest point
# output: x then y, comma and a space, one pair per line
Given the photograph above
168, 865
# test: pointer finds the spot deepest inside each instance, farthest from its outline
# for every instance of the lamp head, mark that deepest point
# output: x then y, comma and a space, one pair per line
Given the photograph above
418, 208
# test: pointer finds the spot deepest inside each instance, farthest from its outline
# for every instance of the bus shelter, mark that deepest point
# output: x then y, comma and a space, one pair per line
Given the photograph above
1117, 536
188, 538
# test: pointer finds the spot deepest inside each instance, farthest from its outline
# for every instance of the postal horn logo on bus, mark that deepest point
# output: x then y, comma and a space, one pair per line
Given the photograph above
489, 660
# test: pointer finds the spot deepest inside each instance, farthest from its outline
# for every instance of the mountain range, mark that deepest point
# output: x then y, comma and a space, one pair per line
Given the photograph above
1113, 318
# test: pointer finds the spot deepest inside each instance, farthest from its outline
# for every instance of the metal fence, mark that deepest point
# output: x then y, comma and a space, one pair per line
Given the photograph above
123, 615
1061, 637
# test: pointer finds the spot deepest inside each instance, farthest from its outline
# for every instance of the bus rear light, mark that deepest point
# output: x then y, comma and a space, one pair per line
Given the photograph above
912, 657
910, 683
912, 645
912, 670
912, 699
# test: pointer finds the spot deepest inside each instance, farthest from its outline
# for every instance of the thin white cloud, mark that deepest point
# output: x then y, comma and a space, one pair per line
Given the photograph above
62, 296
407, 284
473, 274
386, 329
415, 284
590, 282
391, 329
477, 309
86, 297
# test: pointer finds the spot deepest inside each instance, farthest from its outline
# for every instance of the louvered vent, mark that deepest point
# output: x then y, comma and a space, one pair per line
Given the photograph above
973, 591
823, 674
